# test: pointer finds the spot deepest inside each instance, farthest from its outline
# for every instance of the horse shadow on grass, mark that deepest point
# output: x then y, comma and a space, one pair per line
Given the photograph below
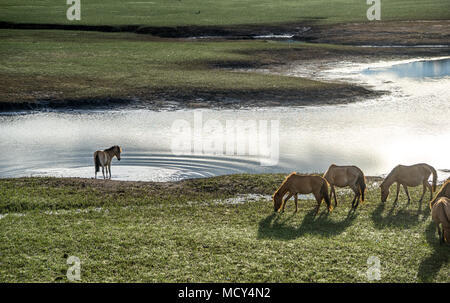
403, 215
277, 226
430, 267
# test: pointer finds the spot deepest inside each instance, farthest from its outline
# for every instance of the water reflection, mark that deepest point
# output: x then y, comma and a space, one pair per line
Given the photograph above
409, 125
417, 69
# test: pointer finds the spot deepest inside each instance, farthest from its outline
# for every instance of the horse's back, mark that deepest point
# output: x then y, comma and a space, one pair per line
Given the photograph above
412, 175
306, 184
343, 175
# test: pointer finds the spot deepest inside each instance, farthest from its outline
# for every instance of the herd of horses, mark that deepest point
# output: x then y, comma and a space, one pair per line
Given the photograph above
353, 177
341, 176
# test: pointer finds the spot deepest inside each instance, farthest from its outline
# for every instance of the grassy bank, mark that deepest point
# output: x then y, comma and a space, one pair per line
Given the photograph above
227, 12
191, 231
60, 65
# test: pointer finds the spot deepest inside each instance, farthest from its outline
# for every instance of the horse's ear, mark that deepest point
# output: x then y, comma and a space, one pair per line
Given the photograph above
120, 148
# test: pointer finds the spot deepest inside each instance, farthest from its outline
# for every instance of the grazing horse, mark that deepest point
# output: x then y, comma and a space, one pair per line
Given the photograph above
342, 176
412, 176
295, 184
440, 212
443, 192
103, 158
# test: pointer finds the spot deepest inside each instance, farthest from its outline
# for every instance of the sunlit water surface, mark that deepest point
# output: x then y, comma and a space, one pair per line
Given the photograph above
409, 125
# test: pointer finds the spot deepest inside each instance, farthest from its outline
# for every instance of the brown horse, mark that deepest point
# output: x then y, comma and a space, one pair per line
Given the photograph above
295, 184
342, 176
103, 158
412, 176
443, 192
440, 212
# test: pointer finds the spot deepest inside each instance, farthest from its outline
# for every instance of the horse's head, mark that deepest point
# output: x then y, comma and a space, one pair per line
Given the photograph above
384, 192
117, 151
277, 201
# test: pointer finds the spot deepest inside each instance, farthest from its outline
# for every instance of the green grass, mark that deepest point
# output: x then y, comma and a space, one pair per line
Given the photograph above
69, 64
179, 232
212, 12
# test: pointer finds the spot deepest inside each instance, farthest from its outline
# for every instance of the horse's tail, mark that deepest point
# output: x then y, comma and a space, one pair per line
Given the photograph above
324, 192
97, 162
433, 171
362, 185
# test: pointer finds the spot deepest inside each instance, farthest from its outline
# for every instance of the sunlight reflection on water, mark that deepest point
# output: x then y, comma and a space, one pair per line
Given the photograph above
408, 126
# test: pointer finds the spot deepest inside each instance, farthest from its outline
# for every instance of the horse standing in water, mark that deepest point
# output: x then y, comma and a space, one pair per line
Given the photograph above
440, 212
412, 176
342, 176
103, 158
302, 184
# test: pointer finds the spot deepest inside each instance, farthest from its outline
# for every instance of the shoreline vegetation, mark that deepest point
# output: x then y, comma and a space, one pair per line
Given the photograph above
218, 229
72, 69
163, 54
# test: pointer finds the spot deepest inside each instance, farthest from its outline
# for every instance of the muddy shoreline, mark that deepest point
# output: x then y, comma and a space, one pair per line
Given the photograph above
400, 33
224, 184
189, 99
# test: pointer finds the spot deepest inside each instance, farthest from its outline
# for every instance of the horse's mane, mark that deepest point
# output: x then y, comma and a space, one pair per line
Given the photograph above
444, 186
285, 180
440, 192
390, 174
111, 148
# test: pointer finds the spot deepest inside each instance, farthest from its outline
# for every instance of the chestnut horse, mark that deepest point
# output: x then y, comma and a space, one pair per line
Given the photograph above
295, 184
443, 192
440, 212
342, 176
412, 176
103, 158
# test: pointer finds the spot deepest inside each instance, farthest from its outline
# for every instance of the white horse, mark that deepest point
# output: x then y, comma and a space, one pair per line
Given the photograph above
103, 158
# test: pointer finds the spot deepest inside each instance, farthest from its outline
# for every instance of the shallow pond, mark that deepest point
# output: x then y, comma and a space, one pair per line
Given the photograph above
409, 125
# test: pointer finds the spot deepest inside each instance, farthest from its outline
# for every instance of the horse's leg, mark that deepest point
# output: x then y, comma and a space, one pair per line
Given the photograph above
103, 172
398, 191
423, 192
441, 234
430, 188
296, 203
356, 197
319, 199
285, 200
333, 192
407, 193
109, 169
